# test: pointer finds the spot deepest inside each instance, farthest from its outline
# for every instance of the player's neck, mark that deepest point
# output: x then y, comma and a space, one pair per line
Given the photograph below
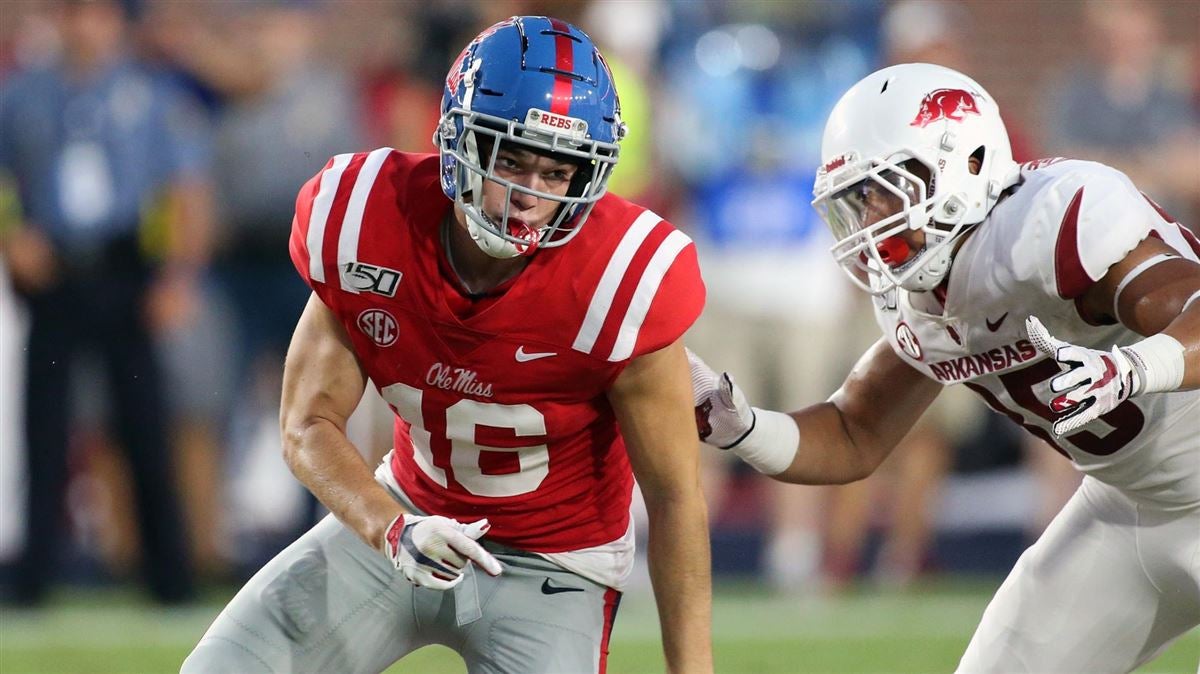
477, 271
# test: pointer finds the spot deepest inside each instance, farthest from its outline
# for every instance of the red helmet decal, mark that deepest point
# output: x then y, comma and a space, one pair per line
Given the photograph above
949, 104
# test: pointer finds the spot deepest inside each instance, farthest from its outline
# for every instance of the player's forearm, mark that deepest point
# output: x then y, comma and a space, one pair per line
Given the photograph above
681, 571
830, 451
324, 460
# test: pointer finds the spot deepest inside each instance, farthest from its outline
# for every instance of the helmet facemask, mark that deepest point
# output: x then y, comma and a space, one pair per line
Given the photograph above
870, 204
475, 151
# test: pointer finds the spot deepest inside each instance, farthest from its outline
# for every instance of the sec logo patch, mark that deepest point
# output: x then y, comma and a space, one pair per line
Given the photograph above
379, 325
908, 341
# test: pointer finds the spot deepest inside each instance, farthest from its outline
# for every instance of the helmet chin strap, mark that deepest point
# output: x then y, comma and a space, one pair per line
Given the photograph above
930, 272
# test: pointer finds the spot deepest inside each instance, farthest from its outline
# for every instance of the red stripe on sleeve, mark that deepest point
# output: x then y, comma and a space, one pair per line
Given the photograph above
1069, 274
612, 600
564, 60
1192, 241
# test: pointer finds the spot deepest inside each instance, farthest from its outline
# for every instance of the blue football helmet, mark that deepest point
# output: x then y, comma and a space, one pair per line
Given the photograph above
541, 84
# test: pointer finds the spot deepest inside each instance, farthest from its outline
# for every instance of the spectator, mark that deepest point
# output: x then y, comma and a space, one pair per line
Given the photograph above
284, 112
90, 140
1120, 106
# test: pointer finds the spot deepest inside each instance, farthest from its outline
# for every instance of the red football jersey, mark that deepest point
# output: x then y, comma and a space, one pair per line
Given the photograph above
501, 414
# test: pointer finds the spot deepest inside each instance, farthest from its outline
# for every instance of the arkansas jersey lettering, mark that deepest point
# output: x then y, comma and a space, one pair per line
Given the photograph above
976, 364
457, 379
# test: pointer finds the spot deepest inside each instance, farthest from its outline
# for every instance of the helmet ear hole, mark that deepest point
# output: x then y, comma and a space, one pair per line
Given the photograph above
975, 161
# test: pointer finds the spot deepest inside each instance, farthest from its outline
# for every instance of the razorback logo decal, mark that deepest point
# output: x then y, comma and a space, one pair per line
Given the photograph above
949, 104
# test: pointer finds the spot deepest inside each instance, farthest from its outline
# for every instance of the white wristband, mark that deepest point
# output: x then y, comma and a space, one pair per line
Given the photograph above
1158, 361
771, 445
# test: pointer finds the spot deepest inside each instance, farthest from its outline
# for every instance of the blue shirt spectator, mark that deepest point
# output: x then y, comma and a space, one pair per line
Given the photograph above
88, 154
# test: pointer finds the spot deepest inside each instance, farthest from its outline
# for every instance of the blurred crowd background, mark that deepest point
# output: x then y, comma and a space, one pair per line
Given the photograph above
150, 153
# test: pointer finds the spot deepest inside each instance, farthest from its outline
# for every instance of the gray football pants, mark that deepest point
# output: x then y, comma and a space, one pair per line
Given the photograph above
329, 603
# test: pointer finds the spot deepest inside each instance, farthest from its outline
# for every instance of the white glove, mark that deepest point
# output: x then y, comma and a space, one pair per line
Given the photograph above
432, 551
1093, 385
723, 415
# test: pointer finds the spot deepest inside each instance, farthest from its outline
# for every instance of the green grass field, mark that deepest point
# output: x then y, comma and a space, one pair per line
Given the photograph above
925, 630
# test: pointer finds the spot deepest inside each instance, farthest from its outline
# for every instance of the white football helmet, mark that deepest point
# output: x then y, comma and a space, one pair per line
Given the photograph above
903, 136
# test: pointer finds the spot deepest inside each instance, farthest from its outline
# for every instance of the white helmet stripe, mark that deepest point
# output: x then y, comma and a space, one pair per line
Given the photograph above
352, 223
601, 302
315, 242
647, 287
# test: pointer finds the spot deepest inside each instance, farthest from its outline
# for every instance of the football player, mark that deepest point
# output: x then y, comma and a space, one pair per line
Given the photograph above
512, 314
1064, 297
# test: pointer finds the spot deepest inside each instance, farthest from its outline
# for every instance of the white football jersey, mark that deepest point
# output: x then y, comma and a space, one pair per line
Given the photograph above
1037, 252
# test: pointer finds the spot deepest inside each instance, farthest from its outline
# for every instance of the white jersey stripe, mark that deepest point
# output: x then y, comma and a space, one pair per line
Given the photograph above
315, 242
352, 224
647, 287
597, 311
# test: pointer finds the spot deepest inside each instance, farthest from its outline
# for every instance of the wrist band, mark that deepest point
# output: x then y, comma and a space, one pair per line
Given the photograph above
771, 444
1158, 362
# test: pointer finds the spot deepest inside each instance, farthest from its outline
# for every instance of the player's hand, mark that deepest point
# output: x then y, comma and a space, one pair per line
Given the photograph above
432, 551
723, 415
1093, 385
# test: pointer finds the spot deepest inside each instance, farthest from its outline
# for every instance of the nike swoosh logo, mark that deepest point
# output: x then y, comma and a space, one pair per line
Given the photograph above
547, 588
524, 356
995, 325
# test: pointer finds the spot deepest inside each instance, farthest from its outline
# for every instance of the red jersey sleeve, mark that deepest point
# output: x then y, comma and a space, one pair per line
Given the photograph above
648, 294
676, 304
321, 201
